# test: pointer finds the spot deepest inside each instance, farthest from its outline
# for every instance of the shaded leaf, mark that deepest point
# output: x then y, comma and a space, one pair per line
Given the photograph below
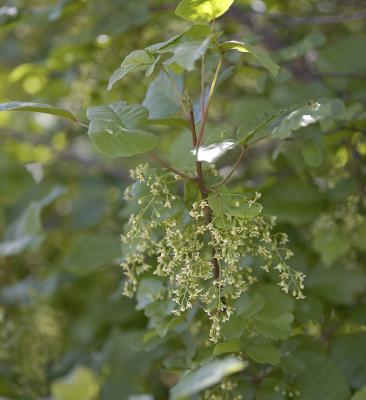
113, 131
161, 98
321, 380
349, 354
88, 253
231, 346
259, 54
307, 115
326, 283
138, 60
149, 290
186, 54
260, 352
26, 232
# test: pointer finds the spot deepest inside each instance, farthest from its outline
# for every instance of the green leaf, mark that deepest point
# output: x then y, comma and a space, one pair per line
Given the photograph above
309, 42
233, 204
37, 107
307, 115
113, 131
26, 232
312, 153
293, 201
88, 253
359, 236
202, 10
149, 290
217, 135
253, 129
326, 283
270, 389
260, 351
138, 60
349, 354
331, 243
321, 380
205, 377
161, 98
259, 54
360, 395
82, 384
278, 327
196, 33
163, 47
248, 305
231, 346
186, 54
275, 318
172, 121
234, 328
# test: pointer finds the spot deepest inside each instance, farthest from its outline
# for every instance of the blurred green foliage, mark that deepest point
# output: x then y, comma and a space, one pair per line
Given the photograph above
65, 330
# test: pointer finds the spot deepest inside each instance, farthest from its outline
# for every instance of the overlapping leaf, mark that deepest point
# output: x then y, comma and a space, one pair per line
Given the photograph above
114, 130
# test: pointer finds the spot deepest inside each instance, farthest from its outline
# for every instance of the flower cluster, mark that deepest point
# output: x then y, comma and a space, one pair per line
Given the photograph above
175, 241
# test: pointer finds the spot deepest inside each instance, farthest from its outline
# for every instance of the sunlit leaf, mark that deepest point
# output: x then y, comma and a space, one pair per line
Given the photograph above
202, 10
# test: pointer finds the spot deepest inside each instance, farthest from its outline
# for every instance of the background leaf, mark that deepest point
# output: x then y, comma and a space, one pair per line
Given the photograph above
205, 376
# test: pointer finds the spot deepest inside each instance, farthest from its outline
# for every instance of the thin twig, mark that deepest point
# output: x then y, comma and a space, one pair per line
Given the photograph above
202, 85
236, 165
205, 114
193, 126
204, 194
167, 165
81, 124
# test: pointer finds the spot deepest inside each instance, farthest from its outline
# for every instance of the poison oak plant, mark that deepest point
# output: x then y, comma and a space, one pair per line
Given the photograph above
200, 254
